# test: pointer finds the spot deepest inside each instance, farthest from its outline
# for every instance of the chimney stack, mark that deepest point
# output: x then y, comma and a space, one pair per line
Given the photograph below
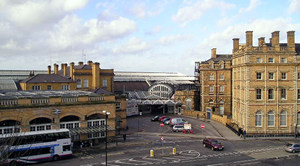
249, 38
261, 41
65, 69
291, 40
275, 38
71, 70
80, 63
236, 43
213, 53
90, 63
49, 69
96, 75
55, 68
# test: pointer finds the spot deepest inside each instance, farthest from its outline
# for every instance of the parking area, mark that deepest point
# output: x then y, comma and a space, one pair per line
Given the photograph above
144, 124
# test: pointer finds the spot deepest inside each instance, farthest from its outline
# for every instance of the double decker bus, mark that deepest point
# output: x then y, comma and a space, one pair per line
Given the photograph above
36, 146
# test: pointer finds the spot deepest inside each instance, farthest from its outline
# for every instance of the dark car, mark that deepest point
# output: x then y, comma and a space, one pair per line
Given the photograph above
165, 119
155, 118
213, 144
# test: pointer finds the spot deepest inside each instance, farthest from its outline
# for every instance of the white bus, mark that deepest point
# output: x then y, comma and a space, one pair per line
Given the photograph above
32, 147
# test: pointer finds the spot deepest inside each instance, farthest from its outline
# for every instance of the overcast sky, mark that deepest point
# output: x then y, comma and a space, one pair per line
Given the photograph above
135, 35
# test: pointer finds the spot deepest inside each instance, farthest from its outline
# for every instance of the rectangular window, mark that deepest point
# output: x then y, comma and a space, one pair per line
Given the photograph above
298, 94
271, 76
283, 93
104, 83
271, 60
283, 76
36, 87
211, 89
270, 119
299, 76
221, 88
211, 77
49, 87
298, 118
85, 83
258, 94
259, 76
271, 94
258, 60
221, 77
283, 60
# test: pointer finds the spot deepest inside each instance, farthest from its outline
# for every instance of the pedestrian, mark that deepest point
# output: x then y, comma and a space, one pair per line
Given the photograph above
81, 145
124, 137
244, 134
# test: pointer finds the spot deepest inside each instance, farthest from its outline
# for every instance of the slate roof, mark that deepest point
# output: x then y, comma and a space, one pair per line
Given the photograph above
120, 86
8, 84
47, 78
101, 91
220, 57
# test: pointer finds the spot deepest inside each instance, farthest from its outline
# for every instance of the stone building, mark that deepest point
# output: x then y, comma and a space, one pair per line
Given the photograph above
79, 111
215, 84
266, 85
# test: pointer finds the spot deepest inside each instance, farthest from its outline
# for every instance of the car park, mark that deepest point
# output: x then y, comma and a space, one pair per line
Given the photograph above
155, 118
177, 128
292, 147
213, 144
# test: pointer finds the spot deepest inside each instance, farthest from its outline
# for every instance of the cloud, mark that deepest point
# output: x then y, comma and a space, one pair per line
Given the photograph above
133, 46
32, 14
154, 30
294, 6
142, 10
252, 5
167, 40
194, 11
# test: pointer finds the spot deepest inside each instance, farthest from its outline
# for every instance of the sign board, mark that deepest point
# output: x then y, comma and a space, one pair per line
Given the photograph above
187, 126
162, 138
202, 126
161, 125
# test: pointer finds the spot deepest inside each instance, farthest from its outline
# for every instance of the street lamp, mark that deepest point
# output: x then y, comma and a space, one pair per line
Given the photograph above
106, 117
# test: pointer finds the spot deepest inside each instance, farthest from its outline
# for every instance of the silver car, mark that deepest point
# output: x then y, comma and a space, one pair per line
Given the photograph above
292, 147
177, 128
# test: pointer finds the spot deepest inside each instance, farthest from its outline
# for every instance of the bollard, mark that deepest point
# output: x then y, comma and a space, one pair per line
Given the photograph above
174, 151
151, 153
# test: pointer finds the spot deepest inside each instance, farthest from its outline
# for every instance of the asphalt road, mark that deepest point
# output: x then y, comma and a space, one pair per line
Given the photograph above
189, 150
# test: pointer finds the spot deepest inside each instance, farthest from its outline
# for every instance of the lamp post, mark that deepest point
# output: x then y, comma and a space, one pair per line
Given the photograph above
106, 117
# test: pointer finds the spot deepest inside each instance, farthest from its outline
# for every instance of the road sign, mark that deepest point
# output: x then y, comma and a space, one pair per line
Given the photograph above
162, 138
202, 126
161, 125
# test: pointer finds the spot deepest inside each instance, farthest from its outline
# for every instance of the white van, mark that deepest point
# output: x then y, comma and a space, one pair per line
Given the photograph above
175, 121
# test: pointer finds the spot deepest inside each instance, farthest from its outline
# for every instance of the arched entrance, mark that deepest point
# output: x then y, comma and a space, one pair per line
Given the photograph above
96, 122
70, 122
40, 124
9, 126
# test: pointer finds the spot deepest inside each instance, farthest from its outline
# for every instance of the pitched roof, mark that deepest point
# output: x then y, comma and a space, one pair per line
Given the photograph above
220, 57
47, 78
101, 91
120, 86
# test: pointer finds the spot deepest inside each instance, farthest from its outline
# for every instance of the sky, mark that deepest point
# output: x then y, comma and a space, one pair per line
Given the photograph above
135, 35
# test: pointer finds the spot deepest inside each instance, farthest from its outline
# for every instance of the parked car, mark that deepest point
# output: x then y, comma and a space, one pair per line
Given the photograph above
165, 119
177, 128
292, 147
176, 121
162, 118
213, 144
155, 118
167, 122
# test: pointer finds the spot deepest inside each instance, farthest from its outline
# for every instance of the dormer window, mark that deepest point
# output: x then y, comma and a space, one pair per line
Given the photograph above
211, 64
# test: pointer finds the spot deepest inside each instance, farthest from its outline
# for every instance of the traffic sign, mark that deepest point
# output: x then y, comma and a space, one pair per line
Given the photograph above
161, 125
202, 126
162, 138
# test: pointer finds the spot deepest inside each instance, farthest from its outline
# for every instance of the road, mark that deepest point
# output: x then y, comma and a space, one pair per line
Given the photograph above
189, 149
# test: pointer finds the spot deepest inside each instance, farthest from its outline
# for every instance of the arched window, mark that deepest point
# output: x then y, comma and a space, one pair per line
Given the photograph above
188, 103
211, 101
271, 118
258, 119
283, 118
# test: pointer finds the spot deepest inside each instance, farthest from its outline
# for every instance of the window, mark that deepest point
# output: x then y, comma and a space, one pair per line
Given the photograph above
271, 94
283, 93
221, 110
49, 87
85, 83
211, 77
188, 103
211, 101
118, 106
271, 60
221, 88
222, 66
211, 66
299, 76
221, 77
211, 89
283, 118
271, 76
258, 60
104, 83
283, 76
298, 94
258, 119
298, 118
258, 94
78, 83
65, 87
259, 76
36, 87
271, 118
283, 60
